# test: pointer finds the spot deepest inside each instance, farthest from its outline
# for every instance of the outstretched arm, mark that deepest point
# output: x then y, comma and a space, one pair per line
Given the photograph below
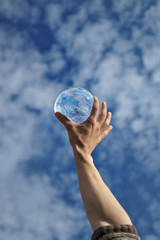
101, 206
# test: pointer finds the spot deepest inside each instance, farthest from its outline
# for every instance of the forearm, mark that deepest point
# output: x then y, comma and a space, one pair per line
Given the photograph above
100, 205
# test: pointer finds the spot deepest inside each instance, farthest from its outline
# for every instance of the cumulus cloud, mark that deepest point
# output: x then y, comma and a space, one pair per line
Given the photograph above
32, 208
113, 51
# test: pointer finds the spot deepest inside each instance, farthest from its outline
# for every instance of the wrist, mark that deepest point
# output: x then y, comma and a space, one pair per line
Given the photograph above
77, 150
82, 154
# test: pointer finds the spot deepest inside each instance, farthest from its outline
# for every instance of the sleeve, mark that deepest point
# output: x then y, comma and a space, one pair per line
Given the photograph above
116, 232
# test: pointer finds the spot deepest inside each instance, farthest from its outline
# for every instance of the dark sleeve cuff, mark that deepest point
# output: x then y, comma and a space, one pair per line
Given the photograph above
115, 231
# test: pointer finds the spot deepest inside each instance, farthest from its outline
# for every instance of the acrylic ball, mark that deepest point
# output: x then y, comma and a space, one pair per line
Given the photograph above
75, 103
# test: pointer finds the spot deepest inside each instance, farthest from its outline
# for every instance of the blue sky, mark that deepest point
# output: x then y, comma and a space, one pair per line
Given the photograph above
111, 48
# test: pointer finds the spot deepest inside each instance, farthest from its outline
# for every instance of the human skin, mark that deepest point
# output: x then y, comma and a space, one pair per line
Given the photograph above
101, 206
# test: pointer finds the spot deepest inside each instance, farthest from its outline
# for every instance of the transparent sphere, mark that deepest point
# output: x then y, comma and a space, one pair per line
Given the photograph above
75, 103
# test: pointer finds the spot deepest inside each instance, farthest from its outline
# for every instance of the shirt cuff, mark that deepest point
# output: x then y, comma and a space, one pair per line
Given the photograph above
112, 229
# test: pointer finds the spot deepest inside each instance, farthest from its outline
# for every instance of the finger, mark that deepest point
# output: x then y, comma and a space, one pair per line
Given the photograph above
95, 108
105, 133
108, 118
62, 118
107, 121
102, 115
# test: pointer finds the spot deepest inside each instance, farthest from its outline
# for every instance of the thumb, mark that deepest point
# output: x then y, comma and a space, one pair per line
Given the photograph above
62, 118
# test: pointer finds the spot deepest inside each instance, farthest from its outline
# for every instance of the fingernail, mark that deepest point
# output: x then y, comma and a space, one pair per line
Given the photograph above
95, 98
57, 114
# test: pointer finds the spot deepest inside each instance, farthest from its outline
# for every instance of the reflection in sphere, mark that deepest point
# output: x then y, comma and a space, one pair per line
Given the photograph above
75, 103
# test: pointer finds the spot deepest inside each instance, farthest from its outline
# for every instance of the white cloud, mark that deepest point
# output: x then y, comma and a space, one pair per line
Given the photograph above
151, 237
122, 5
156, 76
151, 58
156, 227
57, 65
19, 11
32, 208
122, 46
53, 15
137, 125
151, 20
88, 45
13, 12
22, 76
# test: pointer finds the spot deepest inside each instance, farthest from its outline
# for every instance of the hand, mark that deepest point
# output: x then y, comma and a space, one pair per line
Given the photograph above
87, 135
